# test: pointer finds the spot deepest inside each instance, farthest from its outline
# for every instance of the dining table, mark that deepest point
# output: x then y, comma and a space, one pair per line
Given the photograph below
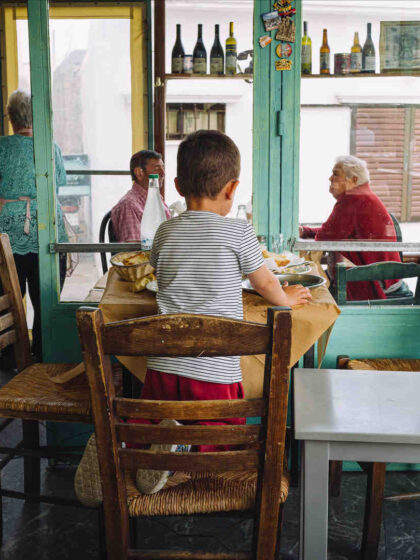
311, 323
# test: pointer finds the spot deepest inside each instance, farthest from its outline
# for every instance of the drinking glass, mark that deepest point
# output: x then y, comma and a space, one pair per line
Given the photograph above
277, 243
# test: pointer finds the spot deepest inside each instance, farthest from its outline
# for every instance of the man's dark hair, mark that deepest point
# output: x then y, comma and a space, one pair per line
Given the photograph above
140, 159
206, 161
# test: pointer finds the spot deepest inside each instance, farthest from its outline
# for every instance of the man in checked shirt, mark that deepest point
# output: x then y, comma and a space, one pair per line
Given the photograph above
126, 215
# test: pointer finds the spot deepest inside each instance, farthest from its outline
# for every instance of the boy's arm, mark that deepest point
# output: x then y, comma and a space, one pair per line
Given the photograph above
268, 286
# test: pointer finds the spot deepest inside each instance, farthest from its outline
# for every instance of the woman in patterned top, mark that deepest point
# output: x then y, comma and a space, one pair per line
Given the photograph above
18, 205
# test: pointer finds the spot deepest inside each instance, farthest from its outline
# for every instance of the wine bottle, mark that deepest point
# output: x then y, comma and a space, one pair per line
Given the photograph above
368, 53
153, 215
306, 54
356, 55
324, 55
231, 53
199, 54
217, 58
178, 53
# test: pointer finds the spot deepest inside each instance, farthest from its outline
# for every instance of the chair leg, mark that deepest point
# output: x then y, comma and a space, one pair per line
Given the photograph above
373, 511
32, 464
101, 531
336, 470
133, 532
279, 530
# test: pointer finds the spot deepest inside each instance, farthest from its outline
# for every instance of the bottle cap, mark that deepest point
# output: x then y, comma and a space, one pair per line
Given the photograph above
155, 176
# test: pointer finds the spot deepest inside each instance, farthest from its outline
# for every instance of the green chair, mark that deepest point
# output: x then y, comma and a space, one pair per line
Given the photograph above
387, 270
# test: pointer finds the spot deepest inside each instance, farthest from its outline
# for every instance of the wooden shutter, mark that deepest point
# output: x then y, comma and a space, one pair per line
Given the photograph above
414, 168
379, 134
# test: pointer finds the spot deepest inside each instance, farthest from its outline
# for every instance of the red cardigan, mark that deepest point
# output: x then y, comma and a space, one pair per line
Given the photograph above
359, 214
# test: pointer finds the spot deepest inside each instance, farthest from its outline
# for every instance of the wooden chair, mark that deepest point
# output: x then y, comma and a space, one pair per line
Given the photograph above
37, 392
378, 271
375, 471
249, 479
106, 225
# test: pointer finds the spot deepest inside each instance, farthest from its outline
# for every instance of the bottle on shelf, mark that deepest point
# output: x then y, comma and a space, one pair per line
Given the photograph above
178, 53
153, 215
199, 54
324, 55
306, 54
368, 53
356, 55
217, 58
231, 51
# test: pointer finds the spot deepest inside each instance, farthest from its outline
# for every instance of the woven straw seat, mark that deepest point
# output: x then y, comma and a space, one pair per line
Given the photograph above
384, 364
32, 395
200, 492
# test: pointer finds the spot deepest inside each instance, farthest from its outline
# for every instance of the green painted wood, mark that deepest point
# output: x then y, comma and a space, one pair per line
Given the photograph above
377, 271
275, 134
44, 165
151, 128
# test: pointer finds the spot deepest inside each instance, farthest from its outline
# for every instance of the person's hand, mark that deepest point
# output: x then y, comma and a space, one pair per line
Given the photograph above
301, 232
297, 294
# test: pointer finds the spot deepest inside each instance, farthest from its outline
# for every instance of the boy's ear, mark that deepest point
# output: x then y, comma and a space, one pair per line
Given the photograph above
178, 188
231, 188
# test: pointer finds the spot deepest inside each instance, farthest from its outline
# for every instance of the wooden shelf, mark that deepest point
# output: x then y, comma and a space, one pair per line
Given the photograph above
207, 76
362, 75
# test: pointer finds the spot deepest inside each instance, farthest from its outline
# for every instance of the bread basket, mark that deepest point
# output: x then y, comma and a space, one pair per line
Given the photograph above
131, 272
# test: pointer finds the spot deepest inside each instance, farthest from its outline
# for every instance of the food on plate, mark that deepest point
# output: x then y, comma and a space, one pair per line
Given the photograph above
280, 260
137, 258
141, 283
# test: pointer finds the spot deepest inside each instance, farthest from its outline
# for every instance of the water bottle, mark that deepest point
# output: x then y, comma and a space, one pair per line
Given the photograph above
153, 215
241, 215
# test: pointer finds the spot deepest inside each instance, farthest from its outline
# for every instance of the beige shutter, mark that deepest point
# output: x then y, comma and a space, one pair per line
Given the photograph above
379, 140
414, 169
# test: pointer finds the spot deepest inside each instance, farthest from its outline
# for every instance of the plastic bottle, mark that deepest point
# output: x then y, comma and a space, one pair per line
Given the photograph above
153, 215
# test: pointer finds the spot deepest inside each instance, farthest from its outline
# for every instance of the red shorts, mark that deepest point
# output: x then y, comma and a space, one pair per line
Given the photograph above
169, 387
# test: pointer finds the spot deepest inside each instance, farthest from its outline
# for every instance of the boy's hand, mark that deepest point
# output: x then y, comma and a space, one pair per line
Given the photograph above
297, 294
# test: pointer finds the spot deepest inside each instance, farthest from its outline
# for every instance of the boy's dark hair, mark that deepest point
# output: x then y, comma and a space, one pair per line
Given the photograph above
140, 159
206, 161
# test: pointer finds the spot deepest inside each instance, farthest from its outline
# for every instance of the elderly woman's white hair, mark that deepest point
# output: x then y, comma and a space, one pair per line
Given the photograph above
354, 167
19, 109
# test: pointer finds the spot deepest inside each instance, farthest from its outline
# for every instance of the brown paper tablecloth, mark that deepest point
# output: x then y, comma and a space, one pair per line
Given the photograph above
310, 323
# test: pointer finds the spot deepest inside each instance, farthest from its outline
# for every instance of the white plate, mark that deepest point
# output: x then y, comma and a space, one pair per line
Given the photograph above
152, 286
297, 269
294, 260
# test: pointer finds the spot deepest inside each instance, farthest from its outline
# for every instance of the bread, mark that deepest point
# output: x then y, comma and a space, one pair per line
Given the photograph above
140, 284
137, 258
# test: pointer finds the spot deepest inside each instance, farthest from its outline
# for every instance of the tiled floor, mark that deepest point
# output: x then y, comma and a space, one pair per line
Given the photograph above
47, 532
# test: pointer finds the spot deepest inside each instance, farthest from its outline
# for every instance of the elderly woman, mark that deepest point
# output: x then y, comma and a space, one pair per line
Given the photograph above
357, 214
18, 206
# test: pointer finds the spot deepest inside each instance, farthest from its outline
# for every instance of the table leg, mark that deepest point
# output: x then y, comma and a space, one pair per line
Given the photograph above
314, 501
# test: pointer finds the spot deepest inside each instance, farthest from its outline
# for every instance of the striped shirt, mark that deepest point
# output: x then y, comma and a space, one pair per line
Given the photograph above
199, 259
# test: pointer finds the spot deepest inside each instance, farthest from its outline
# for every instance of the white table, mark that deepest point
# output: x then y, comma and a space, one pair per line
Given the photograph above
351, 416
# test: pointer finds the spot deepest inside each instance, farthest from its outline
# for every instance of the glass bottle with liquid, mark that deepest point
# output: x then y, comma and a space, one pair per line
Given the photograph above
356, 55
241, 214
153, 215
200, 54
306, 53
178, 53
324, 55
217, 58
231, 51
368, 53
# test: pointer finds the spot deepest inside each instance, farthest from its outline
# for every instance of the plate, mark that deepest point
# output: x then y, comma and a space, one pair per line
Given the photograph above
306, 280
297, 269
152, 286
294, 260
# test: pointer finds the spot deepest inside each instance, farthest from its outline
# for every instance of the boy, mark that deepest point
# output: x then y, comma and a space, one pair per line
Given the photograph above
199, 258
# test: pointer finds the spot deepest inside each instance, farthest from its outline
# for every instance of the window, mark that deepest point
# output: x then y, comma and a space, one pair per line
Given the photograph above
388, 139
184, 118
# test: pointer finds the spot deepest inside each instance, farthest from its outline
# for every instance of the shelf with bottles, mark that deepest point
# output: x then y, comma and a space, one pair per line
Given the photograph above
365, 75
246, 76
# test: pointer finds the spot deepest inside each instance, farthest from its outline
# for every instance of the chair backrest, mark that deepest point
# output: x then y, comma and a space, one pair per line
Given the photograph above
398, 231
106, 225
13, 327
189, 335
387, 270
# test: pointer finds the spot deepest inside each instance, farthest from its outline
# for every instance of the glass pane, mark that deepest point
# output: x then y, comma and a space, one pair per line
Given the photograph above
235, 96
364, 104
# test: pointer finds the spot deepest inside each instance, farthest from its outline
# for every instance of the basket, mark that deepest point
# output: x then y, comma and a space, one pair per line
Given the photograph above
131, 272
